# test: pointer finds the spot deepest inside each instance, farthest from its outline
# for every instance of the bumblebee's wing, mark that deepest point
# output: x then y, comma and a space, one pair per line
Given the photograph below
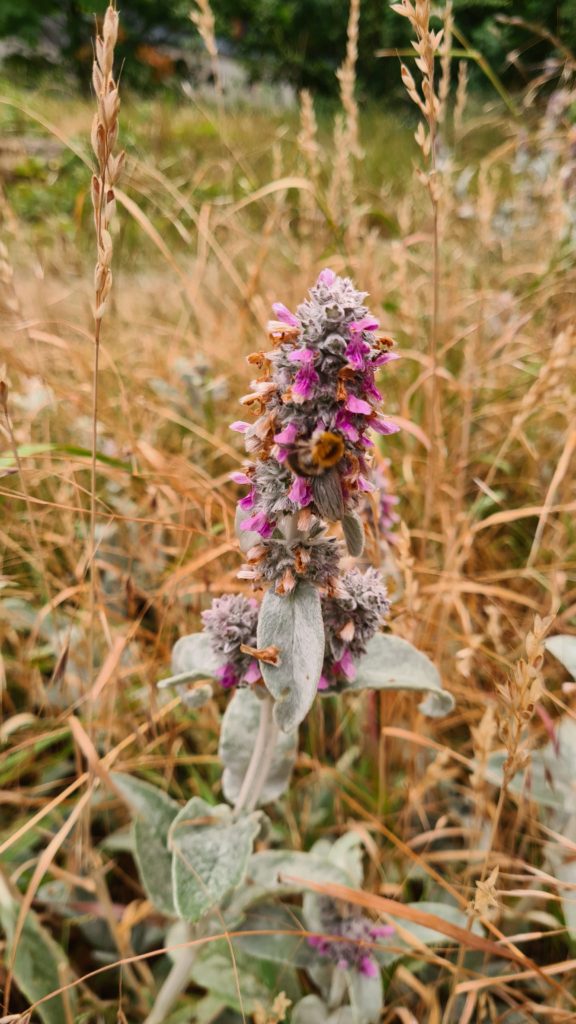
328, 499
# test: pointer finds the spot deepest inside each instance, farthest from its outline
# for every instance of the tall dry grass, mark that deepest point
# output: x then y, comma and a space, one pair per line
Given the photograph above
477, 568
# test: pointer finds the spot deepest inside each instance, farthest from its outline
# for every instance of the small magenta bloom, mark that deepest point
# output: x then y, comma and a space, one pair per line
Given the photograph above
301, 492
304, 383
284, 315
367, 323
384, 426
302, 355
239, 426
327, 277
356, 352
368, 967
288, 435
240, 478
358, 405
259, 523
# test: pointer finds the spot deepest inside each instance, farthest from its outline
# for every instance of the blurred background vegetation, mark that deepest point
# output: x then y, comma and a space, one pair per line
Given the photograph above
299, 42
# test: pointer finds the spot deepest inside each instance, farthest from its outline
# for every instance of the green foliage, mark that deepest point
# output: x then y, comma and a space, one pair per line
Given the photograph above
391, 663
39, 959
211, 853
237, 739
293, 623
298, 41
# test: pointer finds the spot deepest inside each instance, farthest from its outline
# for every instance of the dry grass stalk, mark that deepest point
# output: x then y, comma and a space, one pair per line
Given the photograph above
461, 96
519, 697
427, 45
104, 136
203, 18
445, 63
310, 149
346, 143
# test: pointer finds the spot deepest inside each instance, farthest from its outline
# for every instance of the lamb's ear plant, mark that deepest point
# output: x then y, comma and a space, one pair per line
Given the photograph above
316, 630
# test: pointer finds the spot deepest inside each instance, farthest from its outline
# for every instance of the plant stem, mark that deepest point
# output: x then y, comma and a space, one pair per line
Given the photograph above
261, 760
175, 983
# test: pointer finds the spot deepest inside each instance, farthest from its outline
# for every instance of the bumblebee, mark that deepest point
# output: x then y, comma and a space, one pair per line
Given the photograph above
318, 459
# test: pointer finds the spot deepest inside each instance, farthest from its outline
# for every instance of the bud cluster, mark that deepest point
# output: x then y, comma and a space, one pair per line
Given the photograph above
351, 936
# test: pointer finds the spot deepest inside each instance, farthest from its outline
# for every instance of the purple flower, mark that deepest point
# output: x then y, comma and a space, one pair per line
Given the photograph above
385, 357
240, 478
252, 673
356, 352
304, 383
383, 426
284, 315
367, 323
239, 426
345, 665
288, 435
227, 676
259, 523
247, 502
301, 492
369, 967
354, 404
327, 277
302, 355
344, 424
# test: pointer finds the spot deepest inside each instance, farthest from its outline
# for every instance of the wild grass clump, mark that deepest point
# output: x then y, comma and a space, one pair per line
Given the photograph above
464, 238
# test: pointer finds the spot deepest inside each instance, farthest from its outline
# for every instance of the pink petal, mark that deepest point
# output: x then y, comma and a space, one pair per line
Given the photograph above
240, 478
368, 967
239, 426
326, 277
288, 435
284, 315
368, 323
358, 405
384, 426
252, 673
301, 355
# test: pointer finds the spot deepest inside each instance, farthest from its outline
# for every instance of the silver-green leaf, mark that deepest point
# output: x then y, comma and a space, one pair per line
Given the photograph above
40, 965
293, 623
353, 529
237, 738
192, 658
563, 647
154, 814
391, 663
312, 1010
210, 855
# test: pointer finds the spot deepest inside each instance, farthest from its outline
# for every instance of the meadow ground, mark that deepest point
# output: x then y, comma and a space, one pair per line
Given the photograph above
223, 210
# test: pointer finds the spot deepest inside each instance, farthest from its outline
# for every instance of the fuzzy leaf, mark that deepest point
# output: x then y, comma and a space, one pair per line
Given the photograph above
391, 663
366, 996
155, 812
277, 870
294, 624
192, 658
312, 1010
39, 959
211, 851
353, 533
563, 647
239, 728
277, 946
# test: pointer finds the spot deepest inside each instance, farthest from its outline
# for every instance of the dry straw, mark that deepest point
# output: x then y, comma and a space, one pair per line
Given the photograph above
103, 137
203, 17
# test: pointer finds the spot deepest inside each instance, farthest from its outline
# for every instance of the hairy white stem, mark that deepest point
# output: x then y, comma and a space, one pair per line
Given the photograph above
259, 766
175, 983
